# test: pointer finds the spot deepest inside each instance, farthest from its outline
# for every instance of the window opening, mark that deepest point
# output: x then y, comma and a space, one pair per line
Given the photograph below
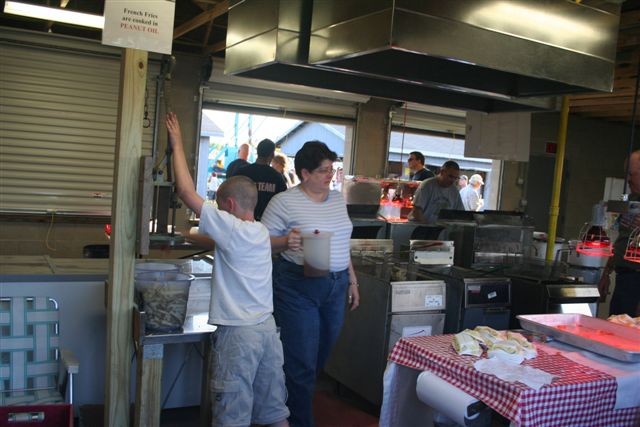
223, 131
437, 149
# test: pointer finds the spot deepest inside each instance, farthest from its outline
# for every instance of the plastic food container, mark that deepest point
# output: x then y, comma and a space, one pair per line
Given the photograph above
151, 267
316, 248
163, 296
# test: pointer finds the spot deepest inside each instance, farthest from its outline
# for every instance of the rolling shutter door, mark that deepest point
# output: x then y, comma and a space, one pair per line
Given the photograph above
58, 113
227, 92
439, 120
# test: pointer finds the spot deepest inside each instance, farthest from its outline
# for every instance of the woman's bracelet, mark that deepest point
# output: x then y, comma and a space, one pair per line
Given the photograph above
354, 284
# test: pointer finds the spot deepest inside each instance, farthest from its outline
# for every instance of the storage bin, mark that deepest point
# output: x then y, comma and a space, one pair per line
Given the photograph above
150, 267
163, 297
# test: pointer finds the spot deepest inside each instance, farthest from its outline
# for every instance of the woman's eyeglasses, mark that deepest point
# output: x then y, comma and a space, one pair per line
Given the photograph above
325, 171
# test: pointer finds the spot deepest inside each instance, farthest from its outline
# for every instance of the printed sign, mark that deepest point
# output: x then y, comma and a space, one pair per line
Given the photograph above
142, 24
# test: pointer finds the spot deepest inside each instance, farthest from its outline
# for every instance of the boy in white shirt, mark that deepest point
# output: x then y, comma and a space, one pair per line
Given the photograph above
246, 368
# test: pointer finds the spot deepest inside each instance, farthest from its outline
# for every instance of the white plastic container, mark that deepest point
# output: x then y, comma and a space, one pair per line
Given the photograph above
317, 253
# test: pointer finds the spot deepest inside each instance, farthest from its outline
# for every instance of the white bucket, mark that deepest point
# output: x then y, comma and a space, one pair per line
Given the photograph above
317, 253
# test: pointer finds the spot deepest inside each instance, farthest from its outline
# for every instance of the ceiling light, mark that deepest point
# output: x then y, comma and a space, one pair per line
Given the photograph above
54, 14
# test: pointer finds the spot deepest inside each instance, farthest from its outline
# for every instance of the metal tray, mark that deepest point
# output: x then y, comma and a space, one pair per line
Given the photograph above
600, 342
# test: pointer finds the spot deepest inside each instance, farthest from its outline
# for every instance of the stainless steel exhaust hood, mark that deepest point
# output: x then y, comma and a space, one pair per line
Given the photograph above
516, 48
270, 40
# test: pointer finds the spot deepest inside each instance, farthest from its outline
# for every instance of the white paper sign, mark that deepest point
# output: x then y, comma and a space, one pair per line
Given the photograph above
142, 24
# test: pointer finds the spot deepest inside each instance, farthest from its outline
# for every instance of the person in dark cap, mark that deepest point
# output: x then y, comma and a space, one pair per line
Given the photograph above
268, 181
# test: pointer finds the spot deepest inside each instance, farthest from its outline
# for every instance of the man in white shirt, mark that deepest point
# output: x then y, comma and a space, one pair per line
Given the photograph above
470, 194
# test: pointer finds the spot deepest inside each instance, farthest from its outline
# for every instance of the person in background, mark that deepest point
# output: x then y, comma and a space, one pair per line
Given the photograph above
241, 161
463, 181
309, 310
248, 384
279, 163
470, 194
416, 167
268, 181
437, 193
626, 294
338, 178
212, 185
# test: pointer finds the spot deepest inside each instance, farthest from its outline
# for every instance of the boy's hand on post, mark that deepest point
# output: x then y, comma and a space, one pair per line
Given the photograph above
173, 127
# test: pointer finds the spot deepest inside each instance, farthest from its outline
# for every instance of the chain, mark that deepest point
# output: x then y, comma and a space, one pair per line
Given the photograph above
146, 121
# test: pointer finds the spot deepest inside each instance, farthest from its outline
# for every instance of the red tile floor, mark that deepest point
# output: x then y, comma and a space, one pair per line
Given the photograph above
333, 407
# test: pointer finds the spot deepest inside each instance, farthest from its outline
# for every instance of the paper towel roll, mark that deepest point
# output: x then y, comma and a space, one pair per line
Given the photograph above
445, 398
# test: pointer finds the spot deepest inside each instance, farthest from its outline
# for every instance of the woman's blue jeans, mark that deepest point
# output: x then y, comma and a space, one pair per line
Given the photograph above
309, 312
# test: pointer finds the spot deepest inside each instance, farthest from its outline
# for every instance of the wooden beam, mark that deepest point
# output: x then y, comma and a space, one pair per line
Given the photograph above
133, 76
216, 47
630, 19
602, 102
211, 14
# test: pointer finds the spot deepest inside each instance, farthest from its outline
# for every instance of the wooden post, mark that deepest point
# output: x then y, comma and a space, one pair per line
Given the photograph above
149, 382
133, 76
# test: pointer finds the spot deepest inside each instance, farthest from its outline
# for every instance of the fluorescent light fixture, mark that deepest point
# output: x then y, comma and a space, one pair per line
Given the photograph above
54, 14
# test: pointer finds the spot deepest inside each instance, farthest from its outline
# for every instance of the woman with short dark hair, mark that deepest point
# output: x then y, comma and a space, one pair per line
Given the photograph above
309, 310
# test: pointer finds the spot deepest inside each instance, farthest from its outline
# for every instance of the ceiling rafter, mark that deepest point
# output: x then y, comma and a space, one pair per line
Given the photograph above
201, 19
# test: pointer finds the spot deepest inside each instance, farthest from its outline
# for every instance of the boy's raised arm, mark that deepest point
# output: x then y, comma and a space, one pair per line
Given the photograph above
184, 183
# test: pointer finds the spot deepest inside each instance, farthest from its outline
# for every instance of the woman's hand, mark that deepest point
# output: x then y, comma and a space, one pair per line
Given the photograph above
294, 240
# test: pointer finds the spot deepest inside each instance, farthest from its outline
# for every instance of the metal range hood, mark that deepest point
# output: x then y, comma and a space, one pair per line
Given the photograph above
271, 39
517, 48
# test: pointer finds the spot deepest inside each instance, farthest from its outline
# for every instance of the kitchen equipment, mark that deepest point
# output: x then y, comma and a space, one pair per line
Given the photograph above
400, 302
360, 247
316, 248
597, 335
489, 237
397, 197
368, 228
587, 267
632, 252
163, 296
540, 240
432, 252
403, 231
362, 196
539, 287
473, 298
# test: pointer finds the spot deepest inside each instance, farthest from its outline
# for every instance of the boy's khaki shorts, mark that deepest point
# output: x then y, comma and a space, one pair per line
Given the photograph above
247, 380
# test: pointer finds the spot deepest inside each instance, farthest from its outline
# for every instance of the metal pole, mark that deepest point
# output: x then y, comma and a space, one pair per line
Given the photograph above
554, 210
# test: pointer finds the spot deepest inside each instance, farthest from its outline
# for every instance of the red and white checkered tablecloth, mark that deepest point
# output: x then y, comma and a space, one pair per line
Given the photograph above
578, 395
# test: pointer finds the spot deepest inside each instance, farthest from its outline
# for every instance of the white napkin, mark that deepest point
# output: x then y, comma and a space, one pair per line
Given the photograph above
532, 377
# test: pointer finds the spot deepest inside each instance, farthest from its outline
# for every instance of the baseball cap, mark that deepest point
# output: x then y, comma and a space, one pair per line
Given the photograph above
476, 179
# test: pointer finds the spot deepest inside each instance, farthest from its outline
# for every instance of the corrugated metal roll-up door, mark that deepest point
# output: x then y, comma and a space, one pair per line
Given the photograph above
58, 114
228, 92
429, 119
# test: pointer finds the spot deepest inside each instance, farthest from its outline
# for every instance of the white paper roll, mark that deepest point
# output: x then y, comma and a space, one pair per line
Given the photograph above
444, 398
